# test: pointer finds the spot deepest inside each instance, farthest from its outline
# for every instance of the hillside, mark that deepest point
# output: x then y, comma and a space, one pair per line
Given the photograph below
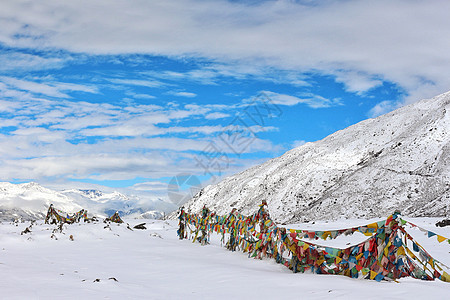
398, 161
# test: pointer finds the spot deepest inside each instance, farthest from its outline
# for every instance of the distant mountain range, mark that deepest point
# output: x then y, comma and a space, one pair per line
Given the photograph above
398, 161
31, 201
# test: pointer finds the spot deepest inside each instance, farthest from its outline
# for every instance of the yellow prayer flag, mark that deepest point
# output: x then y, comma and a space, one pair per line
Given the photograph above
411, 254
373, 225
445, 277
358, 257
305, 246
373, 274
440, 238
320, 261
338, 260
409, 251
401, 251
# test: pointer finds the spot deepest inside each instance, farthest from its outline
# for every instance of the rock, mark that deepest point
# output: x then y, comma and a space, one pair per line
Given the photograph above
27, 230
443, 223
140, 226
154, 234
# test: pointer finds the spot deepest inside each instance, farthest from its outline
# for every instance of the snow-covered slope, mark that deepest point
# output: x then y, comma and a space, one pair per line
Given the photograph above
400, 160
117, 263
31, 201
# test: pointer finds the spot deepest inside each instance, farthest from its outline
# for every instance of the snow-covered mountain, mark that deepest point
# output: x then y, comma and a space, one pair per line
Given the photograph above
400, 160
108, 203
31, 201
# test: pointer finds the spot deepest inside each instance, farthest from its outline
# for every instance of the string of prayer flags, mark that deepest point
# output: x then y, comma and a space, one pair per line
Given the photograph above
55, 215
384, 255
430, 234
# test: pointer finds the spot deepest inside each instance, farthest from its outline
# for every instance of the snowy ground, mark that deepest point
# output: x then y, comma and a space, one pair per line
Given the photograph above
154, 264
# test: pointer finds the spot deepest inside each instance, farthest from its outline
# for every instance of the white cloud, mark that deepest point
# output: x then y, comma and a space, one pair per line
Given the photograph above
212, 73
51, 89
312, 100
183, 94
14, 61
100, 141
8, 106
203, 76
357, 81
141, 96
111, 166
382, 108
216, 115
360, 42
138, 82
75, 87
151, 185
34, 87
41, 134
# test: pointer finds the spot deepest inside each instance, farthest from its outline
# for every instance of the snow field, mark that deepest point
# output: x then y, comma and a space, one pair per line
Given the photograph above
155, 264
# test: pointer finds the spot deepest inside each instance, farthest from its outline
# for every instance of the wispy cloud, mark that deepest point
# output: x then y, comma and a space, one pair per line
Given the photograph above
311, 100
34, 87
216, 115
51, 89
140, 96
204, 76
183, 94
137, 82
24, 62
357, 82
212, 73
101, 141
398, 41
382, 108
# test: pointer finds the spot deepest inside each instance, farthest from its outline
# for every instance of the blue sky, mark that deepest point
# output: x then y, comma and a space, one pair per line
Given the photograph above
128, 94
